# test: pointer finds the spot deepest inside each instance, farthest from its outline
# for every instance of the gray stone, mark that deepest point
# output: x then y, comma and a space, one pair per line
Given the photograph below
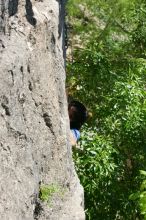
34, 126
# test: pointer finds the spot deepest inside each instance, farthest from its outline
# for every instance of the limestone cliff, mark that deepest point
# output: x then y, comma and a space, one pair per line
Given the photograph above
34, 146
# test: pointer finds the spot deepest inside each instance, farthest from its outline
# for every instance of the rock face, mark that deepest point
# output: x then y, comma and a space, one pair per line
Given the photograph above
34, 148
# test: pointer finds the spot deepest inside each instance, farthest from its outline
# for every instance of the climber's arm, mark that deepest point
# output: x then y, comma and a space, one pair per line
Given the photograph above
74, 136
72, 139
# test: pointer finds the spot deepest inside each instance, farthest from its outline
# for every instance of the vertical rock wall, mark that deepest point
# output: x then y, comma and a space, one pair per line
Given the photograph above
34, 146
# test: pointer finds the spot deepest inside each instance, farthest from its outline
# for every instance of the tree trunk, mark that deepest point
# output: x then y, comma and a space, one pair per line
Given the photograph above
34, 148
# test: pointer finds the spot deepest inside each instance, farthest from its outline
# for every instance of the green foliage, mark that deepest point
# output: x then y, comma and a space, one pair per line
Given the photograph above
140, 196
48, 191
96, 167
107, 72
107, 179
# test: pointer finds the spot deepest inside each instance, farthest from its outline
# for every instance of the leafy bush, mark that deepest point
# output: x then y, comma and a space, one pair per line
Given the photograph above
140, 196
106, 177
96, 167
108, 73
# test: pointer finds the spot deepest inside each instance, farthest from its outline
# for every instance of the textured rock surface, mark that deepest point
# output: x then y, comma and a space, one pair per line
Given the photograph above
34, 146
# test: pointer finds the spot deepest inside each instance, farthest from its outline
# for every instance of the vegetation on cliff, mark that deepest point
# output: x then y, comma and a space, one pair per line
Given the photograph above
106, 65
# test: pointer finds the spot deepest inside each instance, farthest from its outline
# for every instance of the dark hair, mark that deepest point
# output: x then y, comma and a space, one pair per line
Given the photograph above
77, 114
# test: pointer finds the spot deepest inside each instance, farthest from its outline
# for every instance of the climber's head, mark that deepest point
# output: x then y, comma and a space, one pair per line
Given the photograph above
77, 114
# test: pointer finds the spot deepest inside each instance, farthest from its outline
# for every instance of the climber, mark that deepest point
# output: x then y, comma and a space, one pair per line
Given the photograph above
77, 115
